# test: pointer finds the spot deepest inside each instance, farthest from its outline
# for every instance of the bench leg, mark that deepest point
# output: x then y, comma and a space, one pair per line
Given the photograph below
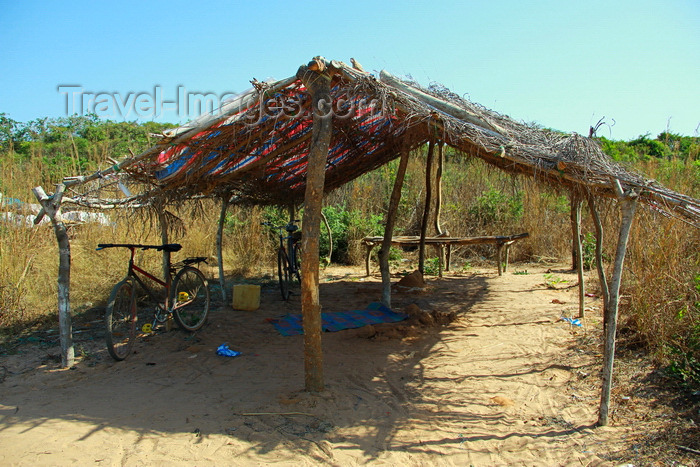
448, 255
498, 258
505, 264
368, 252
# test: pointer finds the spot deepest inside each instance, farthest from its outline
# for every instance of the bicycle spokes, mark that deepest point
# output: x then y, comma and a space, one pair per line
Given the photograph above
191, 299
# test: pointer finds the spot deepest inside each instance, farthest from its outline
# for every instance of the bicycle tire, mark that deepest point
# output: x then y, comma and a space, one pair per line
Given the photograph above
190, 299
120, 320
283, 273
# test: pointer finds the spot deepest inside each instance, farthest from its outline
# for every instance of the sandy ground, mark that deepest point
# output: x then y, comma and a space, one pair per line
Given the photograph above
502, 384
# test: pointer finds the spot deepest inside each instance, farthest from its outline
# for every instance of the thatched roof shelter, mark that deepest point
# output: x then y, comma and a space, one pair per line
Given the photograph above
255, 146
284, 142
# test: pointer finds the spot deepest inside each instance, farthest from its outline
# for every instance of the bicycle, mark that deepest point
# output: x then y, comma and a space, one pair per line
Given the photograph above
186, 299
287, 256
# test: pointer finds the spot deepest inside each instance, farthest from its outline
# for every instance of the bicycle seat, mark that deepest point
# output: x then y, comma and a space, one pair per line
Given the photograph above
170, 247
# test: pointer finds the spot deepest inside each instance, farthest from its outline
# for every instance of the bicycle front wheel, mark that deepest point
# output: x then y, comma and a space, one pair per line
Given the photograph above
120, 320
190, 299
283, 273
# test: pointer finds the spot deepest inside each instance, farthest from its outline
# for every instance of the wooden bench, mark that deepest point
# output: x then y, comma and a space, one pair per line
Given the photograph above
445, 244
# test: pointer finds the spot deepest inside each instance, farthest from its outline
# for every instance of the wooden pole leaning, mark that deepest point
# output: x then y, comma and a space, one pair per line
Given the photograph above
426, 208
51, 206
597, 223
330, 239
438, 204
389, 227
578, 250
628, 204
317, 79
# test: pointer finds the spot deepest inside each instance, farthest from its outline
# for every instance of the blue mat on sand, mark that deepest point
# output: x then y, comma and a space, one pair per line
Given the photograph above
375, 313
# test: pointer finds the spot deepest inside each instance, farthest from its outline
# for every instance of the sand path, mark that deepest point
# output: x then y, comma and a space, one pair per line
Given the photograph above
501, 385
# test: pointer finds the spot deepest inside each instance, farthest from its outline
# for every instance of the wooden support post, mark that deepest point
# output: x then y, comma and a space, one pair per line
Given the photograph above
318, 85
220, 245
578, 251
51, 207
628, 206
426, 209
389, 227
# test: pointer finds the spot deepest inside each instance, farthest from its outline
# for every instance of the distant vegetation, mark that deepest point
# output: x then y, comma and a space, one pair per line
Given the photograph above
661, 290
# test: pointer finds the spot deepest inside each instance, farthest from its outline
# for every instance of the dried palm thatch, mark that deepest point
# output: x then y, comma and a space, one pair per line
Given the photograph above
255, 147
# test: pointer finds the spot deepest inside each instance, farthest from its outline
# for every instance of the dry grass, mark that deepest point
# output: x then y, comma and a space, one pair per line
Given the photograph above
662, 263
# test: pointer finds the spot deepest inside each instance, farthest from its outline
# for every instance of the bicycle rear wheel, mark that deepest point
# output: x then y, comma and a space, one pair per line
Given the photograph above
283, 273
190, 298
120, 320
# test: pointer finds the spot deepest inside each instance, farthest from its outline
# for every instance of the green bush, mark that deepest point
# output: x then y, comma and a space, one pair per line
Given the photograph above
588, 246
685, 359
495, 206
346, 228
432, 266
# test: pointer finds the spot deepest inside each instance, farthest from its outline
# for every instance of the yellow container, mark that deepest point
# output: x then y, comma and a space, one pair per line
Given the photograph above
246, 297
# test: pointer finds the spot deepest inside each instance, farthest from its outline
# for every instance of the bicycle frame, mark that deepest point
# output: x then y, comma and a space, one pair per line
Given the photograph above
133, 269
133, 272
290, 251
287, 261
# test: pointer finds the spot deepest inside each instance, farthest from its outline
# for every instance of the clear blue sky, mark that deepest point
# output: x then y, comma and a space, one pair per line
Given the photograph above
561, 64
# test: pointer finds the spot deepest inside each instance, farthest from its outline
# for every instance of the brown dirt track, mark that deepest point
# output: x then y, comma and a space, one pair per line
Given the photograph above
505, 383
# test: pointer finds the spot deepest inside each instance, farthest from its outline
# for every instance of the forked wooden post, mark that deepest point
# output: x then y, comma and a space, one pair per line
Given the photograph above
627, 206
317, 79
51, 206
389, 227
578, 250
426, 208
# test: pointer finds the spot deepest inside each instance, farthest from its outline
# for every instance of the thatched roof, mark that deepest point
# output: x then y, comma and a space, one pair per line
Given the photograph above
255, 147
